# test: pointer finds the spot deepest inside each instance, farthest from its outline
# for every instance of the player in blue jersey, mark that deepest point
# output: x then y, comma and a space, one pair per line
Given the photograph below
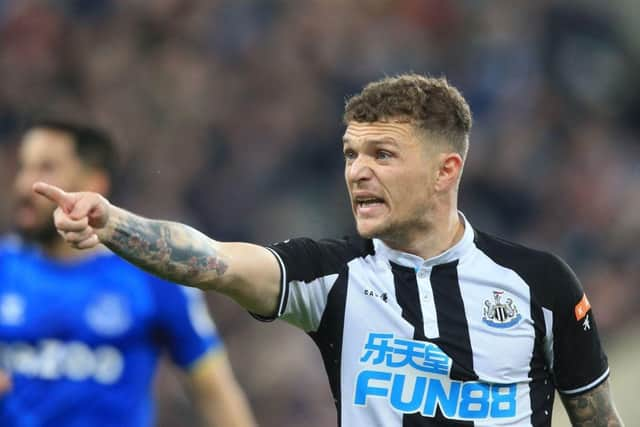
81, 332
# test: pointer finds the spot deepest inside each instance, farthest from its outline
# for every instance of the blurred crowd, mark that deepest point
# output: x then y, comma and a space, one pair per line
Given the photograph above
227, 114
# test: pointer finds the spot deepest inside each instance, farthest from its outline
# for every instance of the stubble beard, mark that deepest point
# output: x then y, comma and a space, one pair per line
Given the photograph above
44, 235
385, 231
399, 233
42, 232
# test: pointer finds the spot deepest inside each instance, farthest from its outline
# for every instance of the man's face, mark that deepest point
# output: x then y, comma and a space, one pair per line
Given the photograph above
49, 156
390, 172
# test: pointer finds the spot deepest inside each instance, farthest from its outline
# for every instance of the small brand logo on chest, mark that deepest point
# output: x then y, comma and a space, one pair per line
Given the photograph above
381, 295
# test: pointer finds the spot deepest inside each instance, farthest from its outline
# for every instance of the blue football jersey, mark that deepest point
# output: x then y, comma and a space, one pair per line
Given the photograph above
81, 339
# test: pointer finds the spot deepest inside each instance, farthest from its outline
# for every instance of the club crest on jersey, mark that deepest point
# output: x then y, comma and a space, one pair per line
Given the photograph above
109, 314
499, 314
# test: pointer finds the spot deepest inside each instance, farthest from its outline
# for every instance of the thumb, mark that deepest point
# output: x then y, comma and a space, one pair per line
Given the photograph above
81, 208
93, 206
55, 194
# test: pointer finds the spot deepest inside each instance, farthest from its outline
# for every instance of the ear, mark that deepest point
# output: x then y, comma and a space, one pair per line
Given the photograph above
97, 181
449, 171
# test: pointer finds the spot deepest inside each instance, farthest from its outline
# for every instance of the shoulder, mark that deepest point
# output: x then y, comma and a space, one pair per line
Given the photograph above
113, 268
547, 274
13, 249
113, 272
347, 248
306, 259
11, 244
511, 254
110, 262
344, 248
135, 277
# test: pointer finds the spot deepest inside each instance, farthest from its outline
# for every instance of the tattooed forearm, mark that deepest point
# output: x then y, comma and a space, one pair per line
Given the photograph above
171, 250
592, 409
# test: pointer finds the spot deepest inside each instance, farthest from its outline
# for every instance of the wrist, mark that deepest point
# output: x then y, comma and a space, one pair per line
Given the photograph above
107, 230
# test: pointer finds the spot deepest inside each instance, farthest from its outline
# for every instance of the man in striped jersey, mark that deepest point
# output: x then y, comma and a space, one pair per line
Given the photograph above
421, 319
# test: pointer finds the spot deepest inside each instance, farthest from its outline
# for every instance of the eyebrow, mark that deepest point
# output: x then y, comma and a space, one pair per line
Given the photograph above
383, 140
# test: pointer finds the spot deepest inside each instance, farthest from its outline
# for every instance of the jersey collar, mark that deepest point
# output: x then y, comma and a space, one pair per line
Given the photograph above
455, 252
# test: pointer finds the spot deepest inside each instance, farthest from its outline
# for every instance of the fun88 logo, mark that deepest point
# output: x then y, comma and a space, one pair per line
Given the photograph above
413, 376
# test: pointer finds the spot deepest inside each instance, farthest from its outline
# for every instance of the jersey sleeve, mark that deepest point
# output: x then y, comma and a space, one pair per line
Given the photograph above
184, 323
579, 362
309, 269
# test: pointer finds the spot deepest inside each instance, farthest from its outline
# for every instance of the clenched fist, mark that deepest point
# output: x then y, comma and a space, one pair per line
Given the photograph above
79, 217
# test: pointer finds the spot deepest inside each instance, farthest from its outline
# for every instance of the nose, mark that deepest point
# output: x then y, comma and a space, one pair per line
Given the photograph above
359, 170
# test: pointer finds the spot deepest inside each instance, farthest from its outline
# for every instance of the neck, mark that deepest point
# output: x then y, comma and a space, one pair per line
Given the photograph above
58, 249
433, 238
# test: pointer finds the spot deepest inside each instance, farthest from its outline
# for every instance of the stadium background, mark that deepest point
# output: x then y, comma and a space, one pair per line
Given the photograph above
227, 114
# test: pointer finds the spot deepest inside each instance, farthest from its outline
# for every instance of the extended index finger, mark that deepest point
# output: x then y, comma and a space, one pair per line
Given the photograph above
55, 194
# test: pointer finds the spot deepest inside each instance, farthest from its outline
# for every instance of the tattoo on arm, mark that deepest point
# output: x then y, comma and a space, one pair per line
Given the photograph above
171, 250
592, 409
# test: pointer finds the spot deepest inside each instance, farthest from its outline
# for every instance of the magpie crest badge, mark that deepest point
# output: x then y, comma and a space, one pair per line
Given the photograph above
499, 314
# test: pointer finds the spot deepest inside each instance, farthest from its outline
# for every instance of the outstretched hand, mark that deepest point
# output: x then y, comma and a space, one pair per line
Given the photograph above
79, 216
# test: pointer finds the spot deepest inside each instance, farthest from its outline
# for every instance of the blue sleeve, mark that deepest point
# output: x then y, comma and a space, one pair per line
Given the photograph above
184, 323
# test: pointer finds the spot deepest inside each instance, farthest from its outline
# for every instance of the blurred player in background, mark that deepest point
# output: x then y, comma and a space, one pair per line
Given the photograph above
81, 332
422, 320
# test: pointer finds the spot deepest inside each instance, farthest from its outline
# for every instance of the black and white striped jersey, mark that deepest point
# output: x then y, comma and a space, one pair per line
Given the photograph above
480, 335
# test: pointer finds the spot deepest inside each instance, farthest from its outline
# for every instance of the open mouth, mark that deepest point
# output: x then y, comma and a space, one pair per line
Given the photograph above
369, 205
369, 201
